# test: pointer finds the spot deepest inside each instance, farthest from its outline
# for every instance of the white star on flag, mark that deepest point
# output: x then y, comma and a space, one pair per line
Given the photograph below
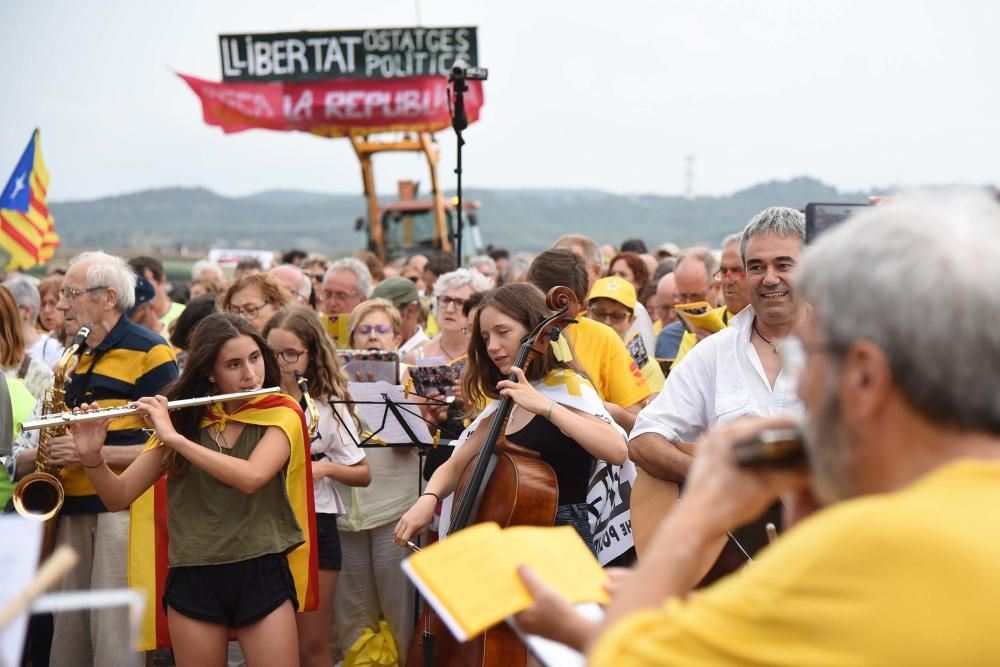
18, 185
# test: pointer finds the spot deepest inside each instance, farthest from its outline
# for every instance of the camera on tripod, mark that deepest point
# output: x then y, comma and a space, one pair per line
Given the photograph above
462, 72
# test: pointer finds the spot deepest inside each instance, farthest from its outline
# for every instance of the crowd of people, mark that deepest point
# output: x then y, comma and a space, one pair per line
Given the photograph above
885, 549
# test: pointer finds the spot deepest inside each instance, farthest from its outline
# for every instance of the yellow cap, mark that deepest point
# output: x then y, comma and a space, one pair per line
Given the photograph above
616, 289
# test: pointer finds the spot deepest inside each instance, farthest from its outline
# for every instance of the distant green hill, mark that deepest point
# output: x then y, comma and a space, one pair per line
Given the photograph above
197, 219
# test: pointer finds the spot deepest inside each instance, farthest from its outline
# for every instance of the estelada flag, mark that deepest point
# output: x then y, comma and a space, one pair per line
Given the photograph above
27, 230
148, 538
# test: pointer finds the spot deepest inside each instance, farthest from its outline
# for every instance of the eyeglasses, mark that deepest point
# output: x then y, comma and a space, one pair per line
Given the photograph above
248, 309
289, 355
690, 297
337, 296
70, 293
380, 329
724, 273
316, 277
445, 301
615, 316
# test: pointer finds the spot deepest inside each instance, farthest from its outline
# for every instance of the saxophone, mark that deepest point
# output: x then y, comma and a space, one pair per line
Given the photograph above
39, 495
310, 405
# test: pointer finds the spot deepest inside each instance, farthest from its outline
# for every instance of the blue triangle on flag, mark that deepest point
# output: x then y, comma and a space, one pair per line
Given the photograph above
17, 194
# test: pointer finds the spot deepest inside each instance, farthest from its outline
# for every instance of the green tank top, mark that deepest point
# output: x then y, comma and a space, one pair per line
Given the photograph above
211, 523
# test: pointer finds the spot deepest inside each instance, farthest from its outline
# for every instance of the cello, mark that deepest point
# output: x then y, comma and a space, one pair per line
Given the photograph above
506, 484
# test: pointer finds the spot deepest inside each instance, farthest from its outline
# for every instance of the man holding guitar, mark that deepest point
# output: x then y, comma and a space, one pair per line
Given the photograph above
731, 374
894, 559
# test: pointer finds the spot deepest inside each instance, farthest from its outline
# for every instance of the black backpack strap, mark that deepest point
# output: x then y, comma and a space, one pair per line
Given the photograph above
22, 370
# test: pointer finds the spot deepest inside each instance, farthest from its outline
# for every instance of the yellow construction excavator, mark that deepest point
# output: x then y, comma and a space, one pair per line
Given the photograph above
410, 225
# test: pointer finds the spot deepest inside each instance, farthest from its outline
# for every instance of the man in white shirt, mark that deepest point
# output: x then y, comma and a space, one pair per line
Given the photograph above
735, 372
39, 346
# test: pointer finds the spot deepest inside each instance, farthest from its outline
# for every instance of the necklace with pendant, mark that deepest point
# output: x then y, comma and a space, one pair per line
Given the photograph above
774, 346
448, 355
220, 441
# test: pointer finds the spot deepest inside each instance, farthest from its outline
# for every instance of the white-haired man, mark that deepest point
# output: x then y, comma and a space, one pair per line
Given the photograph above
205, 269
665, 313
346, 284
896, 562
693, 283
485, 265
730, 280
121, 362
732, 277
293, 279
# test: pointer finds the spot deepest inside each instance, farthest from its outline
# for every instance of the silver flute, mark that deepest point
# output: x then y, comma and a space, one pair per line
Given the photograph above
63, 418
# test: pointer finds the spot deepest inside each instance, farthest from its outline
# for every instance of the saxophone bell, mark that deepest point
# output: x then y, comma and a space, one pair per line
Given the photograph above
39, 495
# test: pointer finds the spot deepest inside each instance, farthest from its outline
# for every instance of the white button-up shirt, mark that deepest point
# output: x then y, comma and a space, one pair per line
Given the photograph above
415, 341
720, 380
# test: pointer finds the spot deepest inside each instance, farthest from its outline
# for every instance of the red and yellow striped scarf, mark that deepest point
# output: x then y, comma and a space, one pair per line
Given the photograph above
148, 538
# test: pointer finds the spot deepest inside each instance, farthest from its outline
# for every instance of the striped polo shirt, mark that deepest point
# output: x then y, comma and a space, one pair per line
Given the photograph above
131, 362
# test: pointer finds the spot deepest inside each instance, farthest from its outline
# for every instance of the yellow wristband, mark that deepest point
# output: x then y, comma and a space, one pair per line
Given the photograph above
548, 415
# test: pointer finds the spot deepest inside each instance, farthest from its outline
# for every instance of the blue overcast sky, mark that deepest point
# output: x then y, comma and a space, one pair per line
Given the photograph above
582, 94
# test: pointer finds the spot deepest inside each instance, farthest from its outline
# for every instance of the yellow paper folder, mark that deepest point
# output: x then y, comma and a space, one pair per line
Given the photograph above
700, 315
336, 328
470, 578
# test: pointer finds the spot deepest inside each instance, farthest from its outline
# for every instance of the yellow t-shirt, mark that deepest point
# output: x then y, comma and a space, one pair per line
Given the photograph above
688, 340
905, 578
605, 359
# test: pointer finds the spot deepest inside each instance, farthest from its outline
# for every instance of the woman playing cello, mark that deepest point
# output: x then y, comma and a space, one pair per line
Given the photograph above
567, 439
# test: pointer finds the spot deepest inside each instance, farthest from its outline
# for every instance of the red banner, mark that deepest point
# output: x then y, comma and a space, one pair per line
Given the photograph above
333, 108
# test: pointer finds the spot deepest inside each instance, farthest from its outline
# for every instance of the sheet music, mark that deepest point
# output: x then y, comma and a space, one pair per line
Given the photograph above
19, 551
554, 654
374, 414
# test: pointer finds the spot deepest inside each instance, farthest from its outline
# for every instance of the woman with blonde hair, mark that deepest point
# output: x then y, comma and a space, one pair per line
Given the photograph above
255, 296
375, 324
372, 585
303, 349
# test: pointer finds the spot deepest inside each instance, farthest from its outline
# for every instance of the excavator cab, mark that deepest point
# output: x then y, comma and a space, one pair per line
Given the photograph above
411, 226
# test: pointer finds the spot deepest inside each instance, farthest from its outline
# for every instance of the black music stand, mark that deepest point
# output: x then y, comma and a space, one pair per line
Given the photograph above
395, 418
386, 410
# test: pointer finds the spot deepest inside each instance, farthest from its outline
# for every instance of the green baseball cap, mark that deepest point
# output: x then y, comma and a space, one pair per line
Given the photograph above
397, 289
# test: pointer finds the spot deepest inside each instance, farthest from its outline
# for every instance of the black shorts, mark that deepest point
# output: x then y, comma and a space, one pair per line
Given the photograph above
328, 542
234, 594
